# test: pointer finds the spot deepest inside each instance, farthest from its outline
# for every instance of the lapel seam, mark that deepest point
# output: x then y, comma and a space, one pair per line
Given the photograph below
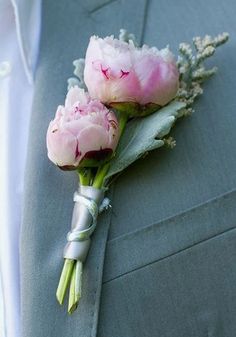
98, 283
144, 21
173, 218
109, 2
99, 271
203, 241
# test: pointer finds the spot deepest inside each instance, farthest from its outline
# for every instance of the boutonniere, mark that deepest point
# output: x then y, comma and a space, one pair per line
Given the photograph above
121, 105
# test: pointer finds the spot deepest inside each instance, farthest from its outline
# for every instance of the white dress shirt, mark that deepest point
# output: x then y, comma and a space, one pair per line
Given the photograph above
19, 41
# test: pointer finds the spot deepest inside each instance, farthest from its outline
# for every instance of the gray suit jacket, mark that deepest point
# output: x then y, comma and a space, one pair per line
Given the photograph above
169, 267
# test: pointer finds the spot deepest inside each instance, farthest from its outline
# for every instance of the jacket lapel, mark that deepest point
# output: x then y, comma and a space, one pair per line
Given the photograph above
66, 28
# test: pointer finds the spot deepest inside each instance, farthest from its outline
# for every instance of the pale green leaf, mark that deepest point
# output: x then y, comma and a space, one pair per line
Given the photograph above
143, 135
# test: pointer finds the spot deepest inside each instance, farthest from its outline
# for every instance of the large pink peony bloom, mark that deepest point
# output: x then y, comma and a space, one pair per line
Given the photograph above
117, 71
83, 133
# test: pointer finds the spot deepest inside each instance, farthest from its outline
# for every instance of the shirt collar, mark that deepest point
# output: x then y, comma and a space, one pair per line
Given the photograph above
28, 21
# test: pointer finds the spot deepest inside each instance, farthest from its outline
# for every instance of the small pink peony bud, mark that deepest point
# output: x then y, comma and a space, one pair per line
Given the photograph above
84, 133
117, 71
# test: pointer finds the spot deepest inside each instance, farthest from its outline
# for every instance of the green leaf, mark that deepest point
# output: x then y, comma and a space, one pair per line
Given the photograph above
143, 135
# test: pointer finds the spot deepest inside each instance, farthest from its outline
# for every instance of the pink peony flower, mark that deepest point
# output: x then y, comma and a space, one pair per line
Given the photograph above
117, 71
83, 133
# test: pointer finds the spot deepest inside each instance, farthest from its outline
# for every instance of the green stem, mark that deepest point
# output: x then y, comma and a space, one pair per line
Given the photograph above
72, 303
64, 280
75, 287
122, 122
102, 171
78, 280
84, 176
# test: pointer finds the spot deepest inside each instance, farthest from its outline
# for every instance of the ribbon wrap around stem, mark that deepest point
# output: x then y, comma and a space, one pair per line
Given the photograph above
84, 219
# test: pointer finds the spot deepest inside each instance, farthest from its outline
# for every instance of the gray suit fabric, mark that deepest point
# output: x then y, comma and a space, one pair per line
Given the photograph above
169, 266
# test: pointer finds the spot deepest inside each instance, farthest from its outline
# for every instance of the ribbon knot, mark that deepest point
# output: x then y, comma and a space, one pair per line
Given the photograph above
82, 235
92, 207
89, 202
